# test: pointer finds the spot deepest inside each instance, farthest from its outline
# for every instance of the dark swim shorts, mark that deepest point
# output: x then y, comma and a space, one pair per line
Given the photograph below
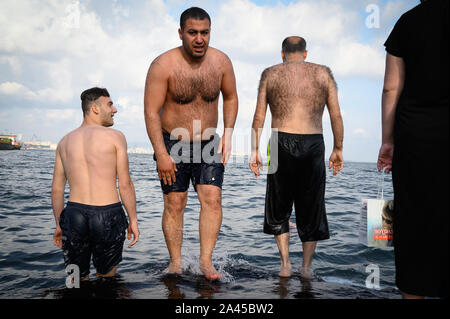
196, 161
300, 180
93, 230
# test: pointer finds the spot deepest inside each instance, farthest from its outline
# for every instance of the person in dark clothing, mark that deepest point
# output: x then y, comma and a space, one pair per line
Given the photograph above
415, 146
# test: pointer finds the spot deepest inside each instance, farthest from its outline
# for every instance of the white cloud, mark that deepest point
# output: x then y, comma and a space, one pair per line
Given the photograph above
360, 132
13, 62
16, 89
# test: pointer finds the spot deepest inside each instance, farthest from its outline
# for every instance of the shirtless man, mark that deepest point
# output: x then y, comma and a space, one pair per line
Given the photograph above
297, 92
91, 158
181, 103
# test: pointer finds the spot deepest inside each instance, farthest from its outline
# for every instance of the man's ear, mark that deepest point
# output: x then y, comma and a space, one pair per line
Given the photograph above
305, 54
180, 33
282, 56
95, 108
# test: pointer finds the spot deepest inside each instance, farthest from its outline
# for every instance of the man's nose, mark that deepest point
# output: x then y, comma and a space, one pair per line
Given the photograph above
198, 38
114, 109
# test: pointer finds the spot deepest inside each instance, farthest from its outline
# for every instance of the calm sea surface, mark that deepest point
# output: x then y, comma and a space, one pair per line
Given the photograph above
32, 267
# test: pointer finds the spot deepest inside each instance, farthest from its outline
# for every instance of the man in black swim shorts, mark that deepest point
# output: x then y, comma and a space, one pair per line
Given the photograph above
197, 162
91, 158
181, 100
297, 92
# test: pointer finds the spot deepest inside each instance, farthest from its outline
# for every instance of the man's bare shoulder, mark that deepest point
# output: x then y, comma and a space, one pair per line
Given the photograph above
319, 68
109, 132
217, 54
166, 60
271, 71
219, 58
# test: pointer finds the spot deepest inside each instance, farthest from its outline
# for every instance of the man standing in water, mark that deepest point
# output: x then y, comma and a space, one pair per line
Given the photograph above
91, 158
297, 92
181, 103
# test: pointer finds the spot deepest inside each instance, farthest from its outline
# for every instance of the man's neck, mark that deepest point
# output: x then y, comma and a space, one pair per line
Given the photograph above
88, 121
194, 62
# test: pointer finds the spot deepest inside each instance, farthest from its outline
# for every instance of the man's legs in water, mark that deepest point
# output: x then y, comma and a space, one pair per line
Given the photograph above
210, 198
172, 224
308, 253
283, 246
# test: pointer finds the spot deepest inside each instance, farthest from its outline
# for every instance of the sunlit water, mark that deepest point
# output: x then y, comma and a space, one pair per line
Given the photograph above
32, 267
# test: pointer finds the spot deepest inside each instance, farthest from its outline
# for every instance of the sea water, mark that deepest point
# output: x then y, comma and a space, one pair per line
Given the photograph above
32, 267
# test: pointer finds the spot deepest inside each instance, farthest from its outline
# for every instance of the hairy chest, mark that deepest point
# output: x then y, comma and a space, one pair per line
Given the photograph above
187, 85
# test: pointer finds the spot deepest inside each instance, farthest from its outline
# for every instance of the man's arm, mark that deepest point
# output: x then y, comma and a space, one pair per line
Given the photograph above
58, 186
337, 125
126, 187
230, 109
393, 85
154, 98
258, 123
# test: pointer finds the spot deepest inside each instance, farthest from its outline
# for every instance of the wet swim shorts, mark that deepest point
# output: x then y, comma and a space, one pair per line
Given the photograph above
196, 161
93, 230
300, 180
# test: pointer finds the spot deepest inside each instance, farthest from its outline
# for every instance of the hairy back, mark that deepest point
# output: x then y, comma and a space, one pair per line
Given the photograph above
88, 155
297, 93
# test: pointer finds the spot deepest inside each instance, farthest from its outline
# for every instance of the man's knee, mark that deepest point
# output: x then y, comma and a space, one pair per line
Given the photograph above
211, 198
174, 203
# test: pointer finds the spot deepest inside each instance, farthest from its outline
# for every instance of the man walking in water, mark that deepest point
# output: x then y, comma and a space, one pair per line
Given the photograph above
91, 158
297, 92
181, 113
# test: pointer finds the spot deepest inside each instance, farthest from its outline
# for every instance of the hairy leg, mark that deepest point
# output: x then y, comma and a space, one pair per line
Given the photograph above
210, 198
172, 225
308, 253
283, 246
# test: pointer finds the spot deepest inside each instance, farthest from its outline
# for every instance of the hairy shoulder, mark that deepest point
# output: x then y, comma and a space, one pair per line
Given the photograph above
323, 73
271, 71
219, 58
165, 60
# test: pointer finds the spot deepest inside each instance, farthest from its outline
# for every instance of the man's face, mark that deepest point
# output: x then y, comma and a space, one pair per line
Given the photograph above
195, 37
107, 110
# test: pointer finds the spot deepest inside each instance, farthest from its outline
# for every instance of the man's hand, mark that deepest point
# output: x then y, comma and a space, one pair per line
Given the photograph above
336, 161
166, 169
385, 157
57, 237
225, 148
133, 229
255, 163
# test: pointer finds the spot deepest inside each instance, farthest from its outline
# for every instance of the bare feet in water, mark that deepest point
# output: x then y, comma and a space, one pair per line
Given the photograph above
285, 270
307, 273
209, 271
174, 268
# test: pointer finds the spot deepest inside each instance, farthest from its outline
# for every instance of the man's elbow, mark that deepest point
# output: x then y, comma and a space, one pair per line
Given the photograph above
57, 192
391, 89
126, 186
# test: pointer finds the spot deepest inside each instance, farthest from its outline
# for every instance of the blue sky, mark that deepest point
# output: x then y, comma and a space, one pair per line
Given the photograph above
50, 51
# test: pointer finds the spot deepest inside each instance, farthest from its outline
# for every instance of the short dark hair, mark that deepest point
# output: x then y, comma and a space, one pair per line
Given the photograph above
91, 95
293, 44
194, 13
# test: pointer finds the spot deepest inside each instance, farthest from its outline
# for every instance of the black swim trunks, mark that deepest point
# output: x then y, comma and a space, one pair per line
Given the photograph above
196, 161
97, 231
299, 179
